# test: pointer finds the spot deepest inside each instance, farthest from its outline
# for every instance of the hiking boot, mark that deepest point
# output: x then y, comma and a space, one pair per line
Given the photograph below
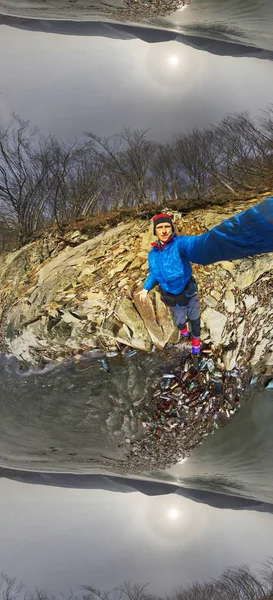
196, 346
184, 332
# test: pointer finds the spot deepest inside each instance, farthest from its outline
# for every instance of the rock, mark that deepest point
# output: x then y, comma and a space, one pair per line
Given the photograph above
230, 357
157, 318
86, 272
147, 239
269, 362
25, 346
249, 301
94, 299
227, 265
140, 259
120, 267
127, 314
229, 301
164, 318
251, 269
122, 282
75, 234
259, 350
212, 218
113, 329
215, 322
210, 301
67, 317
216, 295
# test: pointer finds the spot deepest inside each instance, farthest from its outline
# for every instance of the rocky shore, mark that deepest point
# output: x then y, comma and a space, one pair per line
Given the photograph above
61, 297
65, 295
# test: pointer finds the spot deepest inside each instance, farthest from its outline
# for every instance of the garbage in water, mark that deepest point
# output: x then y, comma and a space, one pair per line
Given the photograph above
105, 365
269, 386
192, 402
131, 353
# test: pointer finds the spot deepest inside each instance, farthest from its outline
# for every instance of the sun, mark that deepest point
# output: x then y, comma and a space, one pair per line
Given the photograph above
173, 60
173, 514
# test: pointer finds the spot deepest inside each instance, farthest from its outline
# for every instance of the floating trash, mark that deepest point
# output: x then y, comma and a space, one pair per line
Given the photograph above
269, 385
190, 403
210, 365
105, 365
131, 353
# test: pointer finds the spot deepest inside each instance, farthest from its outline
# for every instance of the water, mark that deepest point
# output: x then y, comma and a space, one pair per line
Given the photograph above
240, 22
76, 419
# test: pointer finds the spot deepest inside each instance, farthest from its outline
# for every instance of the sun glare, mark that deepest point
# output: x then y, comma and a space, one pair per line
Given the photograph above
173, 514
173, 60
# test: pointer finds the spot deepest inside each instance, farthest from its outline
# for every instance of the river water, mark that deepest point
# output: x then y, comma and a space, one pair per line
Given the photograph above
247, 22
76, 418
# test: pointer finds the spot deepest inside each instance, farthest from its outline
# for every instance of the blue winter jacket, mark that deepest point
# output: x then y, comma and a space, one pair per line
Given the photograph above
245, 234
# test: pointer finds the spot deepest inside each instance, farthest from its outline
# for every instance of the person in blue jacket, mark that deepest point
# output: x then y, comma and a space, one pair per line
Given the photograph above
246, 234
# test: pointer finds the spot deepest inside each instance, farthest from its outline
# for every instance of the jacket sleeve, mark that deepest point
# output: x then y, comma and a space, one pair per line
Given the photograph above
150, 282
151, 279
246, 234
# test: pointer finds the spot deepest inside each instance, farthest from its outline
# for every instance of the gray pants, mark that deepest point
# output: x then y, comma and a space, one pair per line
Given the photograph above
192, 311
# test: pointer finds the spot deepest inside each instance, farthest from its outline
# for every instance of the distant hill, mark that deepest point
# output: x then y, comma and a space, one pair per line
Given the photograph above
128, 32
128, 485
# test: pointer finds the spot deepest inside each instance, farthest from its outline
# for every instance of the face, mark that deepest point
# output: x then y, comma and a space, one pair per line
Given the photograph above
163, 231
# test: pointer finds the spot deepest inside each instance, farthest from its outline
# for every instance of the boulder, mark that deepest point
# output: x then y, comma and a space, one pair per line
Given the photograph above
113, 329
126, 313
259, 350
229, 301
230, 357
251, 269
212, 218
210, 301
157, 318
215, 323
249, 301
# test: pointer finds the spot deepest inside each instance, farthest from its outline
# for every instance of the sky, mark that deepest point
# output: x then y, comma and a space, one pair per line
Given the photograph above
58, 539
67, 84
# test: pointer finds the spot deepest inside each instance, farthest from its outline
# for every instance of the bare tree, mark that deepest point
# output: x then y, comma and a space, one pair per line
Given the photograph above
127, 157
234, 584
23, 172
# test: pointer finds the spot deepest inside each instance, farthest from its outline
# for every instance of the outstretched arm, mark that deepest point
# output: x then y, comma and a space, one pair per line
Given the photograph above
245, 234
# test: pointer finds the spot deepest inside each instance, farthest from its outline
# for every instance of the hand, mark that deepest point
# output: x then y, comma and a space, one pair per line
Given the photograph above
143, 295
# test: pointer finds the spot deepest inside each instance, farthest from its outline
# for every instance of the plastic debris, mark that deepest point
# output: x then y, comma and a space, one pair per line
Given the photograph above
210, 365
105, 365
131, 353
269, 385
190, 403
